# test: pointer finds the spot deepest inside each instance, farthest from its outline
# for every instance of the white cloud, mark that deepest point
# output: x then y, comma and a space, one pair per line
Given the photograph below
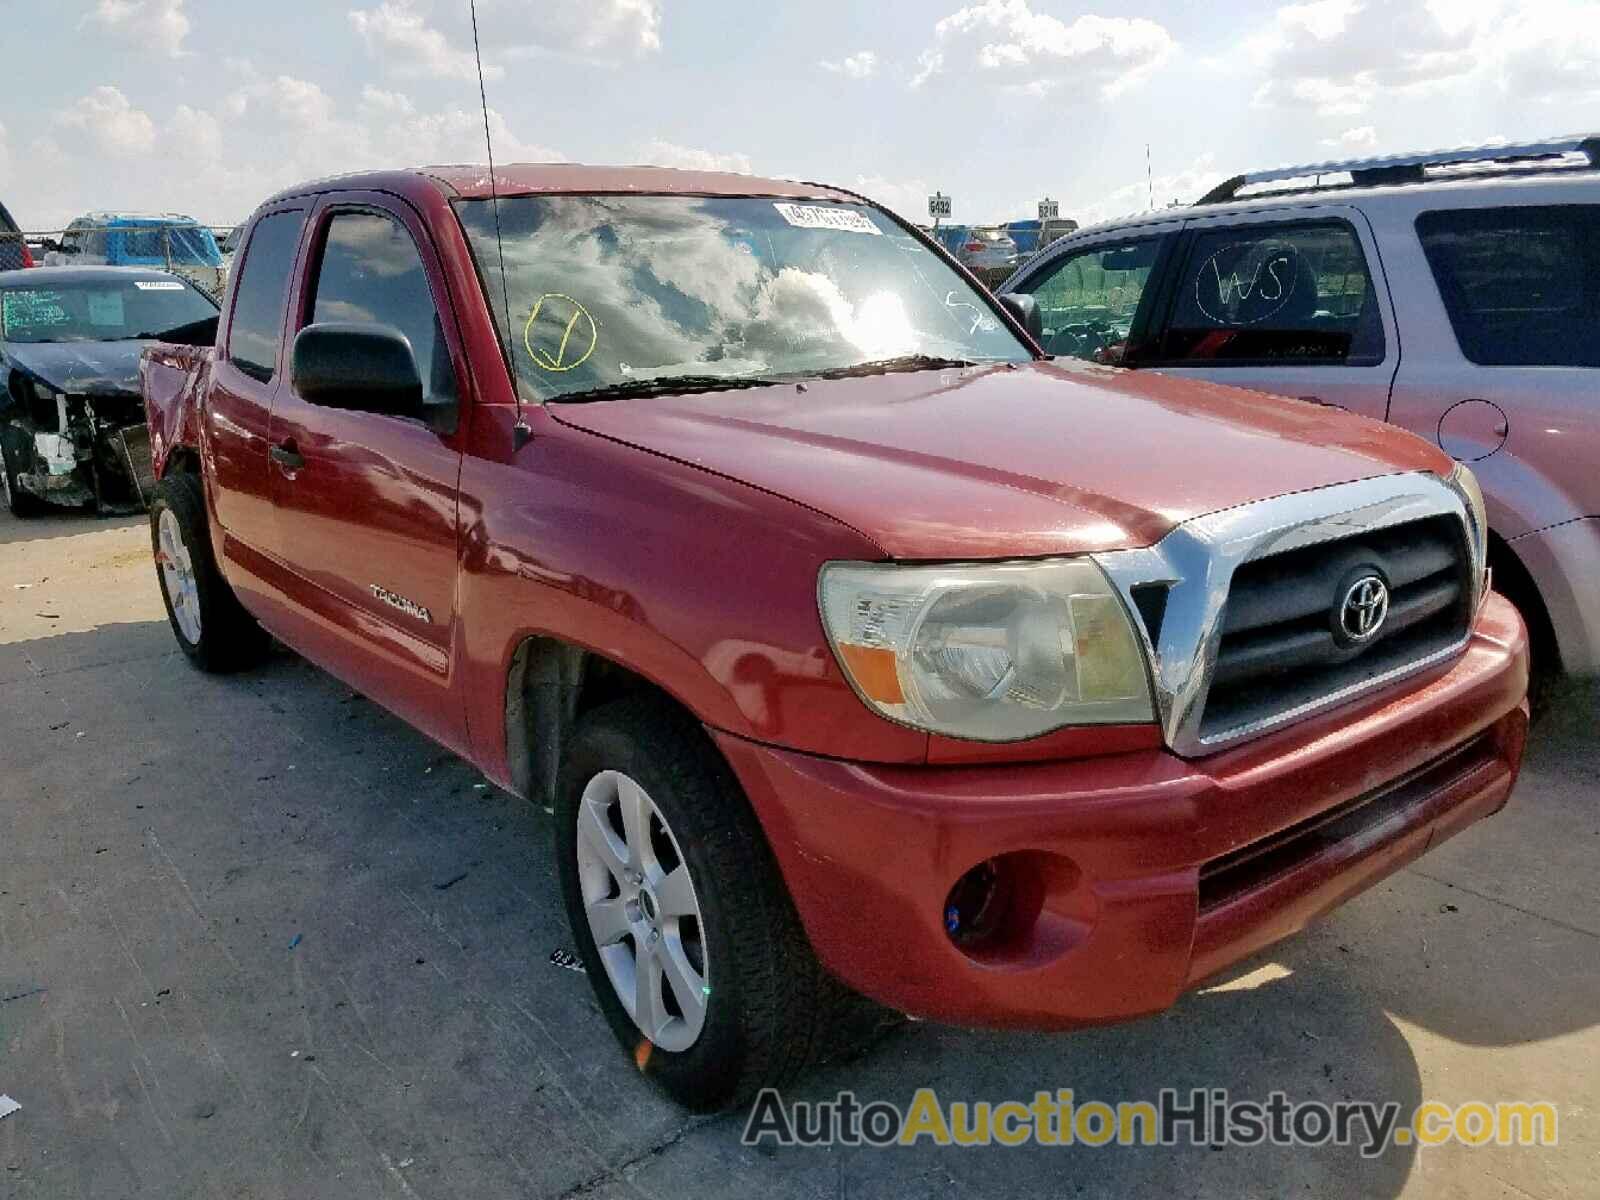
224, 159
1363, 137
158, 25
604, 28
397, 33
667, 154
297, 102
378, 102
907, 197
861, 65
106, 120
1183, 186
1009, 43
1346, 57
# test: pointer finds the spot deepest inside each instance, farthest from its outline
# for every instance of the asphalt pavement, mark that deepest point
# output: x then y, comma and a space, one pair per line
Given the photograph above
260, 939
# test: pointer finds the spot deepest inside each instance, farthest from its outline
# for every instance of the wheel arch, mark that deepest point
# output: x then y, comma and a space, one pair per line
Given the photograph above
550, 683
1516, 583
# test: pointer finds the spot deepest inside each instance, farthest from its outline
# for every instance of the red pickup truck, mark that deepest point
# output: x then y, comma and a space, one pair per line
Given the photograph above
861, 649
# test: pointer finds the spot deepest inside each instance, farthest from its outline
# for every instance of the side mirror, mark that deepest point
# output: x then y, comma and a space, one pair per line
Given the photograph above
1026, 310
364, 368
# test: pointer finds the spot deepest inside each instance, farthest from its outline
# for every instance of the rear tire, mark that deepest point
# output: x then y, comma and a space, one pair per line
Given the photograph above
769, 1008
211, 626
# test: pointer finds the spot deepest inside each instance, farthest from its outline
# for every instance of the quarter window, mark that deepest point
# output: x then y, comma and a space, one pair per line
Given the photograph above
1521, 285
256, 330
1258, 295
371, 274
1088, 301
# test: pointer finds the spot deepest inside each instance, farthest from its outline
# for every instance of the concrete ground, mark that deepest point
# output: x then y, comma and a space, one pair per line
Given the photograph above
258, 939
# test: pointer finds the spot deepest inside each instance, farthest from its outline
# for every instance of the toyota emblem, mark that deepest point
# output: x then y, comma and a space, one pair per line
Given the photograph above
1363, 610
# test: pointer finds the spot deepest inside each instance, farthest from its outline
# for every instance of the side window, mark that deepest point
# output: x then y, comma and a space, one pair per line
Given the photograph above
1521, 285
1087, 301
261, 295
1254, 295
371, 273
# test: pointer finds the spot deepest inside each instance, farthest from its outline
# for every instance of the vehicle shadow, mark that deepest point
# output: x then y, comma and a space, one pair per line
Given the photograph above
234, 868
55, 523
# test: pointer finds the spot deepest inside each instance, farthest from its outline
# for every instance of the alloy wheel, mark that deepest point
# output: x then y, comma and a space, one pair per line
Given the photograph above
642, 910
177, 575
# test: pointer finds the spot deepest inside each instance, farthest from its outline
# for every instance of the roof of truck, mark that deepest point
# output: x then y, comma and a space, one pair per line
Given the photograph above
521, 179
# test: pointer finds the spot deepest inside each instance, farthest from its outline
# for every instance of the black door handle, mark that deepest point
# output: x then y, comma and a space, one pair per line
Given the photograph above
287, 456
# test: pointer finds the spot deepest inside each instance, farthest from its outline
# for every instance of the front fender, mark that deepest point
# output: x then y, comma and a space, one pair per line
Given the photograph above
702, 586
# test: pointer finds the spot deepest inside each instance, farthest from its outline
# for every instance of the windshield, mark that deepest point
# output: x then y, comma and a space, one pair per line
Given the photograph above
100, 310
611, 291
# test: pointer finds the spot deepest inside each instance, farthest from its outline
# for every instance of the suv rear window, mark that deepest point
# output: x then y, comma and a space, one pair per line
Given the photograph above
1521, 285
1268, 294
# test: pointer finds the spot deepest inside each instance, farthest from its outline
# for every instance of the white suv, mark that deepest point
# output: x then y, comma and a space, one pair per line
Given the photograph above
1456, 294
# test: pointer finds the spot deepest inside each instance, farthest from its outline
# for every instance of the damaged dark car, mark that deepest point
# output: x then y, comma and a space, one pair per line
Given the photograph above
72, 426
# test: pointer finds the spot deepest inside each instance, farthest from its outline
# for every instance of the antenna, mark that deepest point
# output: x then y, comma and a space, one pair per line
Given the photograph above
1149, 178
520, 432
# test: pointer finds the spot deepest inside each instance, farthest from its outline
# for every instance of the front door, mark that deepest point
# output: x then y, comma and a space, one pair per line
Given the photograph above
365, 503
1095, 294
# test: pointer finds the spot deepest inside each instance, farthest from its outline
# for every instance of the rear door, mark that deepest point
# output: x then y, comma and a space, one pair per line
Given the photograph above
245, 379
365, 504
1507, 285
1284, 301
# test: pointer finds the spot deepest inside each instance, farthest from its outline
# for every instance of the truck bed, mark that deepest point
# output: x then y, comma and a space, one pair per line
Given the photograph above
173, 378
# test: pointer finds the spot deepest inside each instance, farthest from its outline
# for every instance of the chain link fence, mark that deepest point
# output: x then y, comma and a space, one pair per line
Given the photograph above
200, 253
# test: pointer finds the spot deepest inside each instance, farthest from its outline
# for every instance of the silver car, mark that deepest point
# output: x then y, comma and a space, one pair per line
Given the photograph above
988, 248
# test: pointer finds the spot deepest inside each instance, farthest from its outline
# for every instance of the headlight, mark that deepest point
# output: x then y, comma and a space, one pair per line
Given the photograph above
991, 653
1466, 486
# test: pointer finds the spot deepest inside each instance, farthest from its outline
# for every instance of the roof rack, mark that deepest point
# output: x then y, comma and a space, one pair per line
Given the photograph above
1410, 168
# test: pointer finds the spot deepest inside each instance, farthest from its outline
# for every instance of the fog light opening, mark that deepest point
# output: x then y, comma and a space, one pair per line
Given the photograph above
977, 905
1017, 909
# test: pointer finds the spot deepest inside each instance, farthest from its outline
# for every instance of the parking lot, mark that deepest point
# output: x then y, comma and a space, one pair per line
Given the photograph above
258, 938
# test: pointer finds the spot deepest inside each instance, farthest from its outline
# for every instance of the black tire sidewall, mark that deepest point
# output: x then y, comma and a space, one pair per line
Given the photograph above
229, 637
18, 503
709, 1073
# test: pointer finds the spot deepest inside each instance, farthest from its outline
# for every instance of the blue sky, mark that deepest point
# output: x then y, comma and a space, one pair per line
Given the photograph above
206, 106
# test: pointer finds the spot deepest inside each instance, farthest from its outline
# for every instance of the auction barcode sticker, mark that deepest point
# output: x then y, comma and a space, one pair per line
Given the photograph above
815, 216
158, 285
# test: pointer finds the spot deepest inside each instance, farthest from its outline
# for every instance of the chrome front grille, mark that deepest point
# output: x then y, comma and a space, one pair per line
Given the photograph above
1242, 608
1283, 643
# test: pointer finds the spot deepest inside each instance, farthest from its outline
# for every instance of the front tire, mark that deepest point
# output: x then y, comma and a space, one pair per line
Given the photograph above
212, 628
688, 935
16, 501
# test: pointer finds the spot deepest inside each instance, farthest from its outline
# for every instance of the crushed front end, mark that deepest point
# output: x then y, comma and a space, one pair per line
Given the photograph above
76, 449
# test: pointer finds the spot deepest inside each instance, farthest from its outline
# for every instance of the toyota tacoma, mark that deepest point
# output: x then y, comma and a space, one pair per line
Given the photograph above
869, 659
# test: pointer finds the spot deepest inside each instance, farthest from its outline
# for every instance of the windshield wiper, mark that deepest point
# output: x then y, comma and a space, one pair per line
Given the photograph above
667, 385
906, 362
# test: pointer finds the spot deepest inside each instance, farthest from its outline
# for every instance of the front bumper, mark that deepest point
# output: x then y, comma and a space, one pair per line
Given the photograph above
1140, 873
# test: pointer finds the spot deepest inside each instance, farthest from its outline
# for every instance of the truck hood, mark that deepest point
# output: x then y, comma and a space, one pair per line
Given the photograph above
1038, 459
98, 368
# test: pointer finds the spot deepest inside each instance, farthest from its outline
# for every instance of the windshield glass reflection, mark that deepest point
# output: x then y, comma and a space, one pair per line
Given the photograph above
621, 292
